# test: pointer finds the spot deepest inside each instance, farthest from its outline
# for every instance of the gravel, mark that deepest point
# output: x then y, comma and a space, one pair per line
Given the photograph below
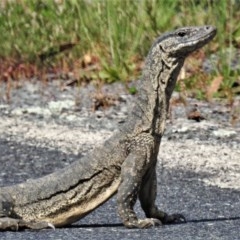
45, 128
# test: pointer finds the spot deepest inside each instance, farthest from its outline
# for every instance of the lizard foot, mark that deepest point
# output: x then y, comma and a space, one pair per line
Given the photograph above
144, 223
13, 224
174, 218
149, 222
36, 225
7, 223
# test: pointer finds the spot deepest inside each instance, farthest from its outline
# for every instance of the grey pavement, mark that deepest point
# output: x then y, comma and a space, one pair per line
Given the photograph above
198, 168
211, 212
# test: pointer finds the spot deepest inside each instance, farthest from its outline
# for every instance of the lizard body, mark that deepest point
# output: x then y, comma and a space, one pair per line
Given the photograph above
125, 164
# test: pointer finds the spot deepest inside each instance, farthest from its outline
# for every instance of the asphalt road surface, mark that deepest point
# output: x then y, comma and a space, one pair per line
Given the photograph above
211, 212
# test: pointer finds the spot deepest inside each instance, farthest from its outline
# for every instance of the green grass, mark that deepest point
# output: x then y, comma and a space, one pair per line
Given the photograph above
114, 34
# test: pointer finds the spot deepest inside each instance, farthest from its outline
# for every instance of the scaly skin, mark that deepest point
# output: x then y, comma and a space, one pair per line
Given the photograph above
125, 164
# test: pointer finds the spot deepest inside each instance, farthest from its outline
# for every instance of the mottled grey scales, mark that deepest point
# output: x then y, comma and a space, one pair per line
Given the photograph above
125, 164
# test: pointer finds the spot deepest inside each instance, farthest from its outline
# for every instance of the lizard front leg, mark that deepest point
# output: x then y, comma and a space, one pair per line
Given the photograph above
147, 196
132, 171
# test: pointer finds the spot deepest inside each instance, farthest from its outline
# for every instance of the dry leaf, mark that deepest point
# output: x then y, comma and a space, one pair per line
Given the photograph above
214, 86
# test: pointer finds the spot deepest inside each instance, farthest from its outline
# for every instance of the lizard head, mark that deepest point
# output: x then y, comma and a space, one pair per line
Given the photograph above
169, 51
181, 42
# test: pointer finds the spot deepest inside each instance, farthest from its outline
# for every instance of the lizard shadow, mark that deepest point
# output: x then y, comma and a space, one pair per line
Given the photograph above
220, 219
203, 220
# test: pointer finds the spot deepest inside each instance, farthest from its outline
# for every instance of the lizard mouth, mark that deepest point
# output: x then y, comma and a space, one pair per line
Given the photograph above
209, 36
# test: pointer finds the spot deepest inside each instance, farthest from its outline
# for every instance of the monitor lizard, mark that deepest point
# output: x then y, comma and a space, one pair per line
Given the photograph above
125, 164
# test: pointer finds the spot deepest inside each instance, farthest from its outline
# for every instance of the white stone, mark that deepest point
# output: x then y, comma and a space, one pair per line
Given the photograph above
224, 133
57, 107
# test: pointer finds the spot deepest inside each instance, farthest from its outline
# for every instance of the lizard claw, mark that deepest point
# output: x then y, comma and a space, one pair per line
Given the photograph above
50, 225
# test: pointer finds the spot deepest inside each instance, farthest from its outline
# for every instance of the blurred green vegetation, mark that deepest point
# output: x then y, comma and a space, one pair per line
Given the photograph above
108, 39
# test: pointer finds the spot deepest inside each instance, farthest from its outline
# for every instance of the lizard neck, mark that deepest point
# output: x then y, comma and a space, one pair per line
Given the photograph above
163, 73
158, 81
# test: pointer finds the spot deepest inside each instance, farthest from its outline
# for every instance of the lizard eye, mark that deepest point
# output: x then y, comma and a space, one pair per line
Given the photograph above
181, 34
